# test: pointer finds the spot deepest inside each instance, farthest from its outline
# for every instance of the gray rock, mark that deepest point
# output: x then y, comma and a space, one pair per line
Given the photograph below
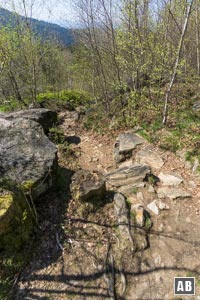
128, 141
88, 186
172, 193
170, 179
125, 144
146, 156
28, 163
45, 117
127, 163
195, 166
153, 207
162, 205
121, 213
192, 184
2, 115
196, 106
133, 175
26, 154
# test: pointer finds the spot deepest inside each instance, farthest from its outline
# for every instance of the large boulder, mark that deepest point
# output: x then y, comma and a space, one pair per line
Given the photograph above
26, 153
45, 117
28, 160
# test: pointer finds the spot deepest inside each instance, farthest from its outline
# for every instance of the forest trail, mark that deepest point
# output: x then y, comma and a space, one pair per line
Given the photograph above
81, 254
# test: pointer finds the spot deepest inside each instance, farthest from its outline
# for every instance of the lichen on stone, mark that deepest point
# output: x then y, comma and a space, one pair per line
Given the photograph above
6, 200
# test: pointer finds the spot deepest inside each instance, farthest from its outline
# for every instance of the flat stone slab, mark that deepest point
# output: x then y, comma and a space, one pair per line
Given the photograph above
126, 176
172, 179
147, 156
45, 117
173, 193
153, 207
128, 141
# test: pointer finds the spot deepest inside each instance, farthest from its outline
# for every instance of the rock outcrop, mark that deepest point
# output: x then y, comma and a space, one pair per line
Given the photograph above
26, 154
45, 117
28, 161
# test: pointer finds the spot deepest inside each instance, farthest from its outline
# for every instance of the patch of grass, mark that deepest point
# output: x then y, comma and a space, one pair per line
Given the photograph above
152, 179
10, 106
147, 223
135, 190
10, 266
170, 142
66, 150
56, 135
69, 99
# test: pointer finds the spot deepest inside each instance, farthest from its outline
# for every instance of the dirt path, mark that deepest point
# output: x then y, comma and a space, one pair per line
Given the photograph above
79, 255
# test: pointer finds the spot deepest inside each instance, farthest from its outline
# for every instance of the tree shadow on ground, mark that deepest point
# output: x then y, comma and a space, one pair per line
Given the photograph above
82, 284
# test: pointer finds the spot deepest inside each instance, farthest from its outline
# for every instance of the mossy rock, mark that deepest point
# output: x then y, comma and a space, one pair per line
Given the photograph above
7, 209
16, 220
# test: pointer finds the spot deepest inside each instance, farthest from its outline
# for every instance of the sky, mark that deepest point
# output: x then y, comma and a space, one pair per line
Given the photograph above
56, 11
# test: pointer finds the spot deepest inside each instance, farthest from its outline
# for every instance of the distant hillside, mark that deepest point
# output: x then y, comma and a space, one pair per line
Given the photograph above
47, 31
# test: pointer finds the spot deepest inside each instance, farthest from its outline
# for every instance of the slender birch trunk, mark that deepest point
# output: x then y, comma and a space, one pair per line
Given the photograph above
167, 96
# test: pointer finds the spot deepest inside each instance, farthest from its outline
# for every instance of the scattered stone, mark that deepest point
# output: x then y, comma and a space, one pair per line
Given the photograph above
192, 184
140, 196
195, 165
125, 144
146, 156
128, 141
170, 179
172, 193
153, 207
138, 211
151, 189
94, 159
161, 227
162, 205
196, 106
88, 186
121, 213
45, 117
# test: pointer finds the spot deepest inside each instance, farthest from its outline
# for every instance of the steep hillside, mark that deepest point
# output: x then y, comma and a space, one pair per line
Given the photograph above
46, 30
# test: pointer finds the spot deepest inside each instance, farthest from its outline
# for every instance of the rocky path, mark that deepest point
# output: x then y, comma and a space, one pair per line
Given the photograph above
112, 251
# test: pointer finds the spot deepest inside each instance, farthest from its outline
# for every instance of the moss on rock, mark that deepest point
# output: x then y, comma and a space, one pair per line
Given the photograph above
16, 221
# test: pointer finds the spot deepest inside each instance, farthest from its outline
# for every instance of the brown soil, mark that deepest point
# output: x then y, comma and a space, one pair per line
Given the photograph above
78, 253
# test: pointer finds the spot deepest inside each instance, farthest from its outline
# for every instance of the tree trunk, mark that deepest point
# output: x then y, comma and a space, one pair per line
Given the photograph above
167, 97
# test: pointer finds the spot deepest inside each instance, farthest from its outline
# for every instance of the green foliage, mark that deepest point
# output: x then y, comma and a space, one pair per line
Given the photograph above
56, 135
170, 142
147, 223
66, 150
68, 99
152, 179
